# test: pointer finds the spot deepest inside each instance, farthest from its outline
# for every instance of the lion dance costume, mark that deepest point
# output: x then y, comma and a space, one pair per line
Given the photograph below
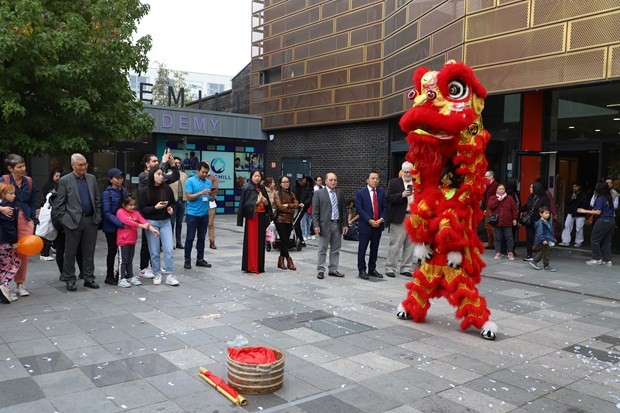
447, 143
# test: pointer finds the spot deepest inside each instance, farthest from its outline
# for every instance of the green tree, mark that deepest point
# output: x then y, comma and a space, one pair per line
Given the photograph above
64, 68
176, 79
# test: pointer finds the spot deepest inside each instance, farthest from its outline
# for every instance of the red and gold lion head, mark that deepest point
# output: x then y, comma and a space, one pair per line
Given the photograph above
445, 102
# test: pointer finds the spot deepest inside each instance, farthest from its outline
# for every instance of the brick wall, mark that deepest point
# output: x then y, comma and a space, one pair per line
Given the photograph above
351, 151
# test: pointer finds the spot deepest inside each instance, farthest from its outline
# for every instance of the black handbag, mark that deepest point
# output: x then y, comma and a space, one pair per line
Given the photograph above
493, 220
526, 220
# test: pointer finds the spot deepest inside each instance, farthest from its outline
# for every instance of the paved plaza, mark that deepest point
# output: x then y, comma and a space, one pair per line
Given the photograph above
139, 349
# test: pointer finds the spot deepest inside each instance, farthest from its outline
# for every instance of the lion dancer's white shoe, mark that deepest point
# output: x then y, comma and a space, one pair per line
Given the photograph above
401, 313
489, 330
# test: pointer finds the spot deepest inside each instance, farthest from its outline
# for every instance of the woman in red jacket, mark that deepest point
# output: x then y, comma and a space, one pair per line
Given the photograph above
505, 207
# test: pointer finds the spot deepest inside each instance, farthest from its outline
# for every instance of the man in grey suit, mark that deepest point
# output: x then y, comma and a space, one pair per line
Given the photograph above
79, 209
329, 219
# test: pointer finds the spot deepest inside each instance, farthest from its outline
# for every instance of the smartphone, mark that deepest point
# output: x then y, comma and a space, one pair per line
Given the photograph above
166, 151
409, 187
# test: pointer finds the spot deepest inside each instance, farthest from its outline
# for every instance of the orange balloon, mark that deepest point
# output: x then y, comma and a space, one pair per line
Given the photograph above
30, 245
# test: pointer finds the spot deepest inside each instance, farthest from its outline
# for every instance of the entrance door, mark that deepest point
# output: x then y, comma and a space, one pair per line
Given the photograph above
295, 167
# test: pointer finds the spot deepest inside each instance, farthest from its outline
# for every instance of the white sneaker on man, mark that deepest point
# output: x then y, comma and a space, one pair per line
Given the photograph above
124, 283
606, 263
135, 281
21, 291
172, 280
594, 262
44, 258
147, 273
563, 244
157, 279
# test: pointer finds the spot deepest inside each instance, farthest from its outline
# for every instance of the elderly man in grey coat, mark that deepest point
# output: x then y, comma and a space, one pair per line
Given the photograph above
78, 207
329, 220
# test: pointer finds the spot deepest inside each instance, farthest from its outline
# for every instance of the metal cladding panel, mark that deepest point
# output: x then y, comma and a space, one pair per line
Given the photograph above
594, 31
614, 62
518, 46
280, 120
478, 5
497, 21
325, 115
442, 16
448, 37
550, 11
577, 67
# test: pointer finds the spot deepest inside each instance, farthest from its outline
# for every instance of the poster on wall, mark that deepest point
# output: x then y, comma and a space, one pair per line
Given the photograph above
222, 166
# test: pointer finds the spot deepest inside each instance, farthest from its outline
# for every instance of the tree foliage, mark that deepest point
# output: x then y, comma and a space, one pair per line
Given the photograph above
64, 68
165, 79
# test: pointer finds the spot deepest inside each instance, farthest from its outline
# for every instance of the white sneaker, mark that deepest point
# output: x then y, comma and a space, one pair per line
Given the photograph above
5, 295
44, 258
563, 244
124, 283
147, 273
607, 263
157, 279
135, 281
171, 280
13, 297
577, 245
21, 291
594, 262
314, 237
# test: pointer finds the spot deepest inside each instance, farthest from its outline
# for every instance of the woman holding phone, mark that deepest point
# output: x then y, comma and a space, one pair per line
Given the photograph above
156, 201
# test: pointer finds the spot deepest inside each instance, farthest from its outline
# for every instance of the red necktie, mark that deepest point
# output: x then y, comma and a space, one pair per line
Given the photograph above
375, 205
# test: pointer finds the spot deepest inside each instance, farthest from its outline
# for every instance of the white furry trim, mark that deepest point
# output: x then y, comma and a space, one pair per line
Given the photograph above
422, 251
490, 326
456, 258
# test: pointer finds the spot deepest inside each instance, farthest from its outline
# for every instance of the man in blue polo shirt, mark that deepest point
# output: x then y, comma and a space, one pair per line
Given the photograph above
198, 191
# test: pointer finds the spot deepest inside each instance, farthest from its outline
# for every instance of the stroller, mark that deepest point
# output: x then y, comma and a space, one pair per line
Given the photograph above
293, 242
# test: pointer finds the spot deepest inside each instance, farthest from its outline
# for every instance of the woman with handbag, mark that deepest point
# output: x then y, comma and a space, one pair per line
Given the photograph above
537, 198
50, 185
255, 207
504, 208
286, 204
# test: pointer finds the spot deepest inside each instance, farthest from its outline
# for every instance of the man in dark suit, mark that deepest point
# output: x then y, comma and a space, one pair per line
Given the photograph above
399, 196
371, 205
329, 220
79, 209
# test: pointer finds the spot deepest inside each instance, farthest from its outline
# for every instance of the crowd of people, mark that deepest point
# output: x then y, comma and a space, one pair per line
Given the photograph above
504, 214
79, 210
307, 208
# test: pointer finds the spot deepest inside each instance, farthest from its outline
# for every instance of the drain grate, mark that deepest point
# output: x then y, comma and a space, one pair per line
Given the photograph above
337, 327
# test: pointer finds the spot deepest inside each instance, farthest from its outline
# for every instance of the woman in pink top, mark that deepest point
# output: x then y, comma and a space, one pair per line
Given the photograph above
126, 238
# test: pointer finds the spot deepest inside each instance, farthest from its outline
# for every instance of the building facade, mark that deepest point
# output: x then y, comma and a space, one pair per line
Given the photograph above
330, 79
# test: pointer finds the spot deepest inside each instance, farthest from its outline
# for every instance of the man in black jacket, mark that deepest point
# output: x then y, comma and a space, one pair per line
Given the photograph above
303, 192
399, 196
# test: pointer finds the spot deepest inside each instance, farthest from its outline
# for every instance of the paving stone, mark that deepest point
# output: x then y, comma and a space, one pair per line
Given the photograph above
42, 405
17, 391
93, 400
63, 382
134, 394
150, 365
328, 404
46, 363
109, 373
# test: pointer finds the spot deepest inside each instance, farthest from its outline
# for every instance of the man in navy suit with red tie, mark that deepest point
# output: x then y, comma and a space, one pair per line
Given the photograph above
371, 205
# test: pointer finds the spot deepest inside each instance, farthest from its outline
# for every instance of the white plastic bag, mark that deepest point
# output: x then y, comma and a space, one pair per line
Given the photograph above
46, 229
270, 233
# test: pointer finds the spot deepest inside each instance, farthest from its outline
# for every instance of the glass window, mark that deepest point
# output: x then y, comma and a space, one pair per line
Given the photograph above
584, 113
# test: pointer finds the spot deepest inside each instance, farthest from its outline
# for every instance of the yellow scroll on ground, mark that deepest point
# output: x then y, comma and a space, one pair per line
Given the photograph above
220, 385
